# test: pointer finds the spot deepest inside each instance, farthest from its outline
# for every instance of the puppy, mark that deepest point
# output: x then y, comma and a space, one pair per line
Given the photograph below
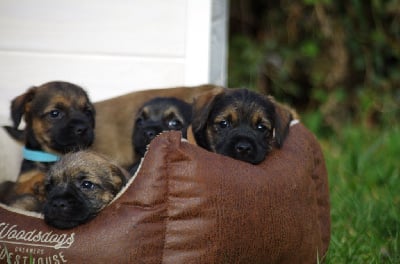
79, 186
240, 124
59, 118
157, 115
115, 119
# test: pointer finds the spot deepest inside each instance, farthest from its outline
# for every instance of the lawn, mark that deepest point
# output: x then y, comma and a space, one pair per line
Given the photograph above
364, 176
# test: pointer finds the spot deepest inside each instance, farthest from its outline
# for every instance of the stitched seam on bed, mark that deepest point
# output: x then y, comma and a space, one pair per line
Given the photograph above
167, 193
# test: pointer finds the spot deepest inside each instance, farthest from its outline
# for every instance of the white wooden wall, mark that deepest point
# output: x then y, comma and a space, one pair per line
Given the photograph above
107, 47
111, 47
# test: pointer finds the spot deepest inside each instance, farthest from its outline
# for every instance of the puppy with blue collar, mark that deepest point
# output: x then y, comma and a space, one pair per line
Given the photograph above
59, 118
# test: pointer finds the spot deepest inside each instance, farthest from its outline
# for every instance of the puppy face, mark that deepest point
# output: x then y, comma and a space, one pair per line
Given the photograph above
237, 123
78, 187
59, 118
157, 115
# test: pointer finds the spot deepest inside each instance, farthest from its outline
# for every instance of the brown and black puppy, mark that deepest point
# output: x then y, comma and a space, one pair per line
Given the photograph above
155, 116
59, 118
115, 119
239, 123
79, 186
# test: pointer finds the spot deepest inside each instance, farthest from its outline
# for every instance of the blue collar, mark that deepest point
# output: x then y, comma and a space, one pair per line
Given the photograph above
40, 156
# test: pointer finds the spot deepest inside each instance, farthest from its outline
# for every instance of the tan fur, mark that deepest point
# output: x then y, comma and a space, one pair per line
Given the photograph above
173, 111
30, 182
228, 113
190, 136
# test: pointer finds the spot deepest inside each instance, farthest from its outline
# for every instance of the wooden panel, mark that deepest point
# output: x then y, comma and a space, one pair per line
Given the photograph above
109, 47
197, 42
102, 76
219, 42
155, 28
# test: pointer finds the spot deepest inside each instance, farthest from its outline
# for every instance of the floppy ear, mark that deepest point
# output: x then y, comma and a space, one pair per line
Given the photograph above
283, 116
16, 134
20, 105
120, 174
202, 105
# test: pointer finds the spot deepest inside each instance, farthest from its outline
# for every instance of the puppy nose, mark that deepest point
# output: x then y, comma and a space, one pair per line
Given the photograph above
80, 130
59, 203
243, 147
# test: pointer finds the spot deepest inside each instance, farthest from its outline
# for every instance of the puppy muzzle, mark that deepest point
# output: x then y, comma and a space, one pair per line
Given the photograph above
65, 208
244, 148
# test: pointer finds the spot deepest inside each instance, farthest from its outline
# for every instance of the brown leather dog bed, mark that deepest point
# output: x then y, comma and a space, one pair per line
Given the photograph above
188, 205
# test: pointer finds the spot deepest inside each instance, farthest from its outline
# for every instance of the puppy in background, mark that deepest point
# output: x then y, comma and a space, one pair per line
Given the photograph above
115, 119
79, 186
240, 124
59, 118
155, 116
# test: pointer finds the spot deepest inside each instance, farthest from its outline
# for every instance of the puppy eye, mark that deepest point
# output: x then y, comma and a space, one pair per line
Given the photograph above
224, 124
87, 185
55, 114
261, 127
174, 124
88, 112
139, 121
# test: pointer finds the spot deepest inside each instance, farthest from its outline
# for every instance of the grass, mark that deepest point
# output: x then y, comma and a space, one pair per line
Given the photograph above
364, 176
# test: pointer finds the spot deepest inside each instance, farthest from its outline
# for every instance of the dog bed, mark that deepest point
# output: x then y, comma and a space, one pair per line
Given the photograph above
188, 205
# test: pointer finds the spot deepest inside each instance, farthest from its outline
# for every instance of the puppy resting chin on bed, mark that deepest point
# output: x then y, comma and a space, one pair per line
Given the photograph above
79, 186
240, 123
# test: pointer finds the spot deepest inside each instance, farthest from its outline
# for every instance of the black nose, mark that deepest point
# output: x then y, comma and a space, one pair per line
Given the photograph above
243, 147
80, 130
59, 203
150, 133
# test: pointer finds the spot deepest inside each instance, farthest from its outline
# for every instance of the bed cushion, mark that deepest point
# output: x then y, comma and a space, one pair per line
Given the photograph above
188, 205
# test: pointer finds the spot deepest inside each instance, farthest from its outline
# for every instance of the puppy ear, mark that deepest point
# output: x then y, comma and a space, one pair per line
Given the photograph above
202, 105
20, 105
120, 176
283, 116
16, 134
